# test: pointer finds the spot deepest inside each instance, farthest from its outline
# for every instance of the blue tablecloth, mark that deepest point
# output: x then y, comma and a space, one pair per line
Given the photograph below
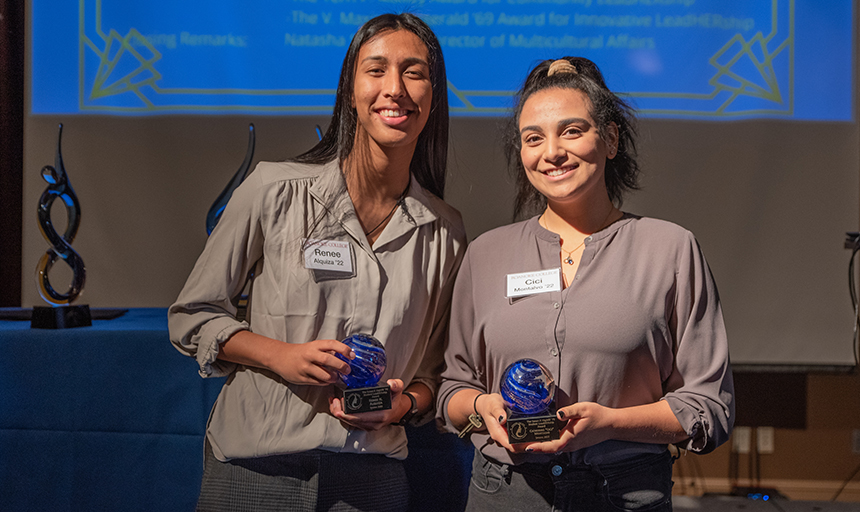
111, 417
108, 417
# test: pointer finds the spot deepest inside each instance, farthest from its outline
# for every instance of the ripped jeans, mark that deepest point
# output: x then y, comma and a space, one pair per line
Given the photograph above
642, 483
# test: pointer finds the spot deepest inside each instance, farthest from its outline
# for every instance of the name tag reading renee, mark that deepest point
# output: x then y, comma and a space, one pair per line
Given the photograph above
328, 255
530, 283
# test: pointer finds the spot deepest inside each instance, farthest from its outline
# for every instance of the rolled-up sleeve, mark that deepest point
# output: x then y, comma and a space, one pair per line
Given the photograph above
699, 390
204, 314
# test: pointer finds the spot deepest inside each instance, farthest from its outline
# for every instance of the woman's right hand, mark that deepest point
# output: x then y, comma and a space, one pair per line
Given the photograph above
313, 363
489, 406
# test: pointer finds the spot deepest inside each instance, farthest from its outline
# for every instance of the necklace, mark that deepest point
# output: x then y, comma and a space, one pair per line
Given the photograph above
399, 201
569, 260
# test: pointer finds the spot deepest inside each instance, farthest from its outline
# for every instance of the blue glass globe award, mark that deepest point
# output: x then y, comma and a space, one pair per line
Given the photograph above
362, 394
528, 389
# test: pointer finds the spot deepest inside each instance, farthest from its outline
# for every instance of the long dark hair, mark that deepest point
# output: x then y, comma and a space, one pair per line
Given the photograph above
621, 172
431, 151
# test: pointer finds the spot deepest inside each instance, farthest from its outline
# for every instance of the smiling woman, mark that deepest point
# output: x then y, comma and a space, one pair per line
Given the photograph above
368, 198
627, 318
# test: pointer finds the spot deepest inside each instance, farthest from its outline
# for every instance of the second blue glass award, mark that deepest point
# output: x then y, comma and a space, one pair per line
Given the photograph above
362, 394
528, 390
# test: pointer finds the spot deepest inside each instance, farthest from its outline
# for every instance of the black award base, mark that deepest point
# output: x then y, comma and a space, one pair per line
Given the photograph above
532, 429
60, 317
356, 400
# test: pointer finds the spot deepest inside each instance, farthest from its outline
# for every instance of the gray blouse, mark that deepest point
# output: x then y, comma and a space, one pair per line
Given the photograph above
398, 290
641, 322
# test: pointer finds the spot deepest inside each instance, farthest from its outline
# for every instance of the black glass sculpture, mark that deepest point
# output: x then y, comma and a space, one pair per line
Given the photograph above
61, 314
218, 206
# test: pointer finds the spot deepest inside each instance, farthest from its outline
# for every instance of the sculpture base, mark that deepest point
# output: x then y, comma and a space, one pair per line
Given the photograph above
60, 317
356, 400
533, 429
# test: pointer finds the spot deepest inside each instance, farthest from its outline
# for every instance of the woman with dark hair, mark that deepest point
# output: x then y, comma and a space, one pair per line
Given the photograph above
626, 318
367, 197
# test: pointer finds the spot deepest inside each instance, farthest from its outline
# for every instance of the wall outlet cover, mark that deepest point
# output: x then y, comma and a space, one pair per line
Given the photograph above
764, 439
741, 438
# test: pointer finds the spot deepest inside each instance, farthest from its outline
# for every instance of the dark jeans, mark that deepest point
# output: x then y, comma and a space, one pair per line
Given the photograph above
640, 483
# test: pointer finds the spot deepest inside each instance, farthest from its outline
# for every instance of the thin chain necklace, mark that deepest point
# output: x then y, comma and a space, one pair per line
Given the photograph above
569, 260
399, 201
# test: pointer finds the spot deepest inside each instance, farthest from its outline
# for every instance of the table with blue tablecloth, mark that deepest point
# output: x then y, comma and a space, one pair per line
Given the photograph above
107, 417
111, 417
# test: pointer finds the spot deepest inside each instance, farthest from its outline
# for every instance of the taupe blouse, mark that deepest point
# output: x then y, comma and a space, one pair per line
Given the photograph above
641, 322
398, 290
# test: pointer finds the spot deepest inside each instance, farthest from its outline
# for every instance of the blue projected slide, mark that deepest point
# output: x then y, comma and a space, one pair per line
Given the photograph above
705, 59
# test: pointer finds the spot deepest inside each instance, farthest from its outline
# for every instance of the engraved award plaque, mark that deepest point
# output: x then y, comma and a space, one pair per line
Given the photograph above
528, 390
362, 393
61, 314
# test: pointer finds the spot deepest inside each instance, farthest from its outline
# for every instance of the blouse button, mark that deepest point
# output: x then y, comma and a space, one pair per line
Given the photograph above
588, 238
554, 352
555, 305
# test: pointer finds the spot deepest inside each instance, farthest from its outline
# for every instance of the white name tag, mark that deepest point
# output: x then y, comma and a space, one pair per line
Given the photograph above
328, 255
529, 283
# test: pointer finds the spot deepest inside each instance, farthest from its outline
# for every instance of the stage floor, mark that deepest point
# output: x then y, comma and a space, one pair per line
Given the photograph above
729, 503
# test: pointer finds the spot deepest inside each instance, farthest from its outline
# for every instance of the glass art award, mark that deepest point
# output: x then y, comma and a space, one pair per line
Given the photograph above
361, 393
528, 389
61, 314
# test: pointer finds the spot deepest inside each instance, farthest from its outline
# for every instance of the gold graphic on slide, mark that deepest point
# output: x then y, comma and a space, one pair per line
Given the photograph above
122, 52
730, 82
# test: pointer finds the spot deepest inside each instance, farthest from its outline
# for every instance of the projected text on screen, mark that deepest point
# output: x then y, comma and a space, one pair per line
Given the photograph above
672, 58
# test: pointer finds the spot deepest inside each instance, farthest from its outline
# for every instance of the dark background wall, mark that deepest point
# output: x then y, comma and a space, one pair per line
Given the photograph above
11, 147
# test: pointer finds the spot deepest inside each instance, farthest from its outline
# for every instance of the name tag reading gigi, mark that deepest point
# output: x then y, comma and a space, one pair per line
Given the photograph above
530, 283
328, 255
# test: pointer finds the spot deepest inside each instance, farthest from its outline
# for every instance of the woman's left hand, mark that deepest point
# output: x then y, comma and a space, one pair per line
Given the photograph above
588, 424
374, 420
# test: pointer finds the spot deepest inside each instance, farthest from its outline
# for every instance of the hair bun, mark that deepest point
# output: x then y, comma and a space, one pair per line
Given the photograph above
561, 66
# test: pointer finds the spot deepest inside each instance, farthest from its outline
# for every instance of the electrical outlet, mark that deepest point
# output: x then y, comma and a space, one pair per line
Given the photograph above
741, 437
855, 441
764, 439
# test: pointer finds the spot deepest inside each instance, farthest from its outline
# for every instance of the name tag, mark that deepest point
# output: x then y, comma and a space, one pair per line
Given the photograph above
328, 255
530, 283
